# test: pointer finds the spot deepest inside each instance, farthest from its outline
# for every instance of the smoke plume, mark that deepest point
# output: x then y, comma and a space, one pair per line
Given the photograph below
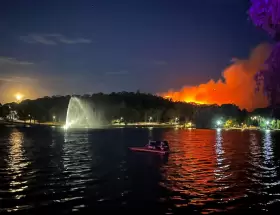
238, 86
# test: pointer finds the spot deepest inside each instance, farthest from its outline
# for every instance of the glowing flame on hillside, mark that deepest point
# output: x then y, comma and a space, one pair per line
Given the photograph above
237, 88
188, 99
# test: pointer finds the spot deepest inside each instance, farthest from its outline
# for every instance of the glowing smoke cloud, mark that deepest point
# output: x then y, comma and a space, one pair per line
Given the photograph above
237, 88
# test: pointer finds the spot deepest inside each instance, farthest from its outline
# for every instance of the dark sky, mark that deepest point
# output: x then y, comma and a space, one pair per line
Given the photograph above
87, 46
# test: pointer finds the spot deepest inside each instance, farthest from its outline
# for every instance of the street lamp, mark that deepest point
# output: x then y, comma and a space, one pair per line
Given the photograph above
54, 117
267, 124
189, 124
219, 122
150, 119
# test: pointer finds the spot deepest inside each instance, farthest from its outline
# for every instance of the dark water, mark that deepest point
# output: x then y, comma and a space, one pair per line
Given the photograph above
45, 171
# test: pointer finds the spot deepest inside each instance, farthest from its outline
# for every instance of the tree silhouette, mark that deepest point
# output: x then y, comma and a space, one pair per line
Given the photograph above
265, 14
133, 107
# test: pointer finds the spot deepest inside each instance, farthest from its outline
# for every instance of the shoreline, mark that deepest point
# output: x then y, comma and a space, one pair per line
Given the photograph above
129, 125
163, 125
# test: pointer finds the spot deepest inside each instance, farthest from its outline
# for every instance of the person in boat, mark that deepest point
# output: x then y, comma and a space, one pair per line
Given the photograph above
159, 145
151, 144
164, 146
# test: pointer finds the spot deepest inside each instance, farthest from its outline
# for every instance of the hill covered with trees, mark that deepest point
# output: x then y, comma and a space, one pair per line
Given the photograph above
131, 107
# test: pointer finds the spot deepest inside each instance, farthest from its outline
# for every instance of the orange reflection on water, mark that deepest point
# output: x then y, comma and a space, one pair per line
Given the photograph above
195, 162
205, 168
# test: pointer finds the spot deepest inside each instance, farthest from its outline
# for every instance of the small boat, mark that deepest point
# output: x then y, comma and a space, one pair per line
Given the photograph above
160, 147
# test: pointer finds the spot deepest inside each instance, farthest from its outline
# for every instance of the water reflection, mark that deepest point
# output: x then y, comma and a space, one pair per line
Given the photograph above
255, 150
208, 171
76, 159
268, 150
214, 177
221, 167
17, 163
269, 169
219, 147
191, 171
150, 133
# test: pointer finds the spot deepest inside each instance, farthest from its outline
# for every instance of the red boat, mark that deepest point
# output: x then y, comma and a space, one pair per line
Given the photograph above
160, 147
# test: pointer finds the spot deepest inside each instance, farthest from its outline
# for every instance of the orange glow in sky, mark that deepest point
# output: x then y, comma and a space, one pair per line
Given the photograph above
15, 92
237, 85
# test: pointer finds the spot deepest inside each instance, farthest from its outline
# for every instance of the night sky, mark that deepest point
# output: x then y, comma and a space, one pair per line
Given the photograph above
82, 46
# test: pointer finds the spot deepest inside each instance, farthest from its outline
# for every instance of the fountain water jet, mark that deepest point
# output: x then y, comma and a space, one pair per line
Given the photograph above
80, 114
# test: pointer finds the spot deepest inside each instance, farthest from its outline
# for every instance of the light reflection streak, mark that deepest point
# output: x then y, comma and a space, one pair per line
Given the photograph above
220, 172
150, 133
76, 159
17, 163
270, 180
268, 166
255, 151
268, 151
264, 171
219, 147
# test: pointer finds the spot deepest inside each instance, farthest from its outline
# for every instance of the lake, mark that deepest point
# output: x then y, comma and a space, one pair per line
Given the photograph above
46, 170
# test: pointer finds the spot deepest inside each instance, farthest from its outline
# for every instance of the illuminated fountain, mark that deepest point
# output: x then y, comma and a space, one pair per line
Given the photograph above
81, 114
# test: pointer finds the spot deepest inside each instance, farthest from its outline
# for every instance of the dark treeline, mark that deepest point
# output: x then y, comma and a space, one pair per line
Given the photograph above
133, 107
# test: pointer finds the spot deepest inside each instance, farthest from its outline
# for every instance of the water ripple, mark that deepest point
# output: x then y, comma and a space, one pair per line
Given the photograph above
208, 171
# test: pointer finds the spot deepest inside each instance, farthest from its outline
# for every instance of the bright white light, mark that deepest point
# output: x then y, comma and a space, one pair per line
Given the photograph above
219, 122
267, 122
19, 96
